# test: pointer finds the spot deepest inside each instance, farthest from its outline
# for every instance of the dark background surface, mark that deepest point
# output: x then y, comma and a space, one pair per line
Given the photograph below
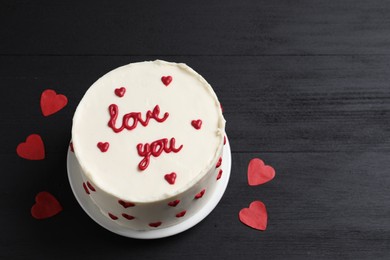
304, 85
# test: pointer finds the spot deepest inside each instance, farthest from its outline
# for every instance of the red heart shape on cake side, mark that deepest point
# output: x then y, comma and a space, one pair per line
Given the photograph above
166, 80
46, 206
127, 216
200, 194
126, 204
170, 178
103, 146
120, 92
219, 162
112, 216
181, 214
219, 174
259, 173
197, 124
155, 224
32, 149
255, 216
51, 102
174, 203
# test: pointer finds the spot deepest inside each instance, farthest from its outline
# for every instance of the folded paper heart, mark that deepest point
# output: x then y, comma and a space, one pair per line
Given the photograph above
259, 173
51, 102
46, 206
255, 216
32, 149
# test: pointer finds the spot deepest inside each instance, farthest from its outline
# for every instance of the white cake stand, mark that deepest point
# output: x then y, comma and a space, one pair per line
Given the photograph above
74, 175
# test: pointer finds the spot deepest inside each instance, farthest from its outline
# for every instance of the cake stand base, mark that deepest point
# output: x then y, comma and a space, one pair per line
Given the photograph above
74, 175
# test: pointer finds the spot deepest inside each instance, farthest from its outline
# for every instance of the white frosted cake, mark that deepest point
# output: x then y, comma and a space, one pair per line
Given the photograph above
148, 137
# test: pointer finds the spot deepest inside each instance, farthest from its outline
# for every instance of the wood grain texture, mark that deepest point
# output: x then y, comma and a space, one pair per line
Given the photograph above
304, 86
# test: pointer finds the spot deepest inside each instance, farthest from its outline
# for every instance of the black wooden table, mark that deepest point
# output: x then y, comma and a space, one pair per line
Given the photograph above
305, 85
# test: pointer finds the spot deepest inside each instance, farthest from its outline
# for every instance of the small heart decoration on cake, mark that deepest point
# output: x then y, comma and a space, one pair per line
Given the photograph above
127, 216
181, 214
255, 216
103, 146
174, 203
259, 173
46, 206
170, 178
120, 92
112, 216
32, 149
200, 194
166, 80
155, 224
51, 102
85, 188
126, 204
197, 124
219, 162
90, 186
71, 147
219, 174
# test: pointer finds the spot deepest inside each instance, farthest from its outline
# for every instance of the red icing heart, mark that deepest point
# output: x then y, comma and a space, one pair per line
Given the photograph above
181, 214
85, 188
126, 216
103, 146
200, 194
224, 140
219, 174
32, 149
46, 206
90, 186
120, 92
71, 147
155, 224
112, 216
51, 102
255, 216
259, 173
126, 204
166, 80
197, 124
170, 178
219, 162
174, 203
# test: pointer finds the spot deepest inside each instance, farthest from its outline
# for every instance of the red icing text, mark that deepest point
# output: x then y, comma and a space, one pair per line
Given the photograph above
155, 149
135, 116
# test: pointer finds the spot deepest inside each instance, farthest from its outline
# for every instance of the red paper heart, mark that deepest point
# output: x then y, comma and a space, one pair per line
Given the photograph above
32, 149
46, 206
103, 146
126, 204
170, 178
166, 80
255, 216
51, 102
259, 173
197, 124
120, 92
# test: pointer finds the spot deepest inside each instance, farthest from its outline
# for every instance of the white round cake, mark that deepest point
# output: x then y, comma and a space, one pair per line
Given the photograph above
148, 137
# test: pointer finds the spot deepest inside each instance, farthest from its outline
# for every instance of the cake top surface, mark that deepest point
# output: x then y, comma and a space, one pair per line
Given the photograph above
148, 131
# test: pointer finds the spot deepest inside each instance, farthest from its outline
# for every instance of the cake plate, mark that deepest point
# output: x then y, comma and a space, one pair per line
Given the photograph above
74, 175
